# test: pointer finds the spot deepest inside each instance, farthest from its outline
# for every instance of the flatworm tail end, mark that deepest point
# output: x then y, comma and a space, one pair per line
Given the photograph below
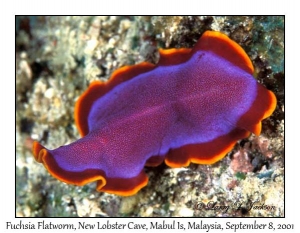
211, 152
98, 88
263, 107
272, 104
205, 153
223, 46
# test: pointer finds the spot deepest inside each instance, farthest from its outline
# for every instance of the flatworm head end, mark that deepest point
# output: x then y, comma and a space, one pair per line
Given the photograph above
119, 186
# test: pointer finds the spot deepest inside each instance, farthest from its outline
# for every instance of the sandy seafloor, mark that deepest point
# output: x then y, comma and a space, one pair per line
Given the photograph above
57, 58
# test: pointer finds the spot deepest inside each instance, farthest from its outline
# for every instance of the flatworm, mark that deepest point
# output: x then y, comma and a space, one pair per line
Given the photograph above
192, 106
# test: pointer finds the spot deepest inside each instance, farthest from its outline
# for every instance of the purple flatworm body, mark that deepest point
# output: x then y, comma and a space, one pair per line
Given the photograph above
191, 107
